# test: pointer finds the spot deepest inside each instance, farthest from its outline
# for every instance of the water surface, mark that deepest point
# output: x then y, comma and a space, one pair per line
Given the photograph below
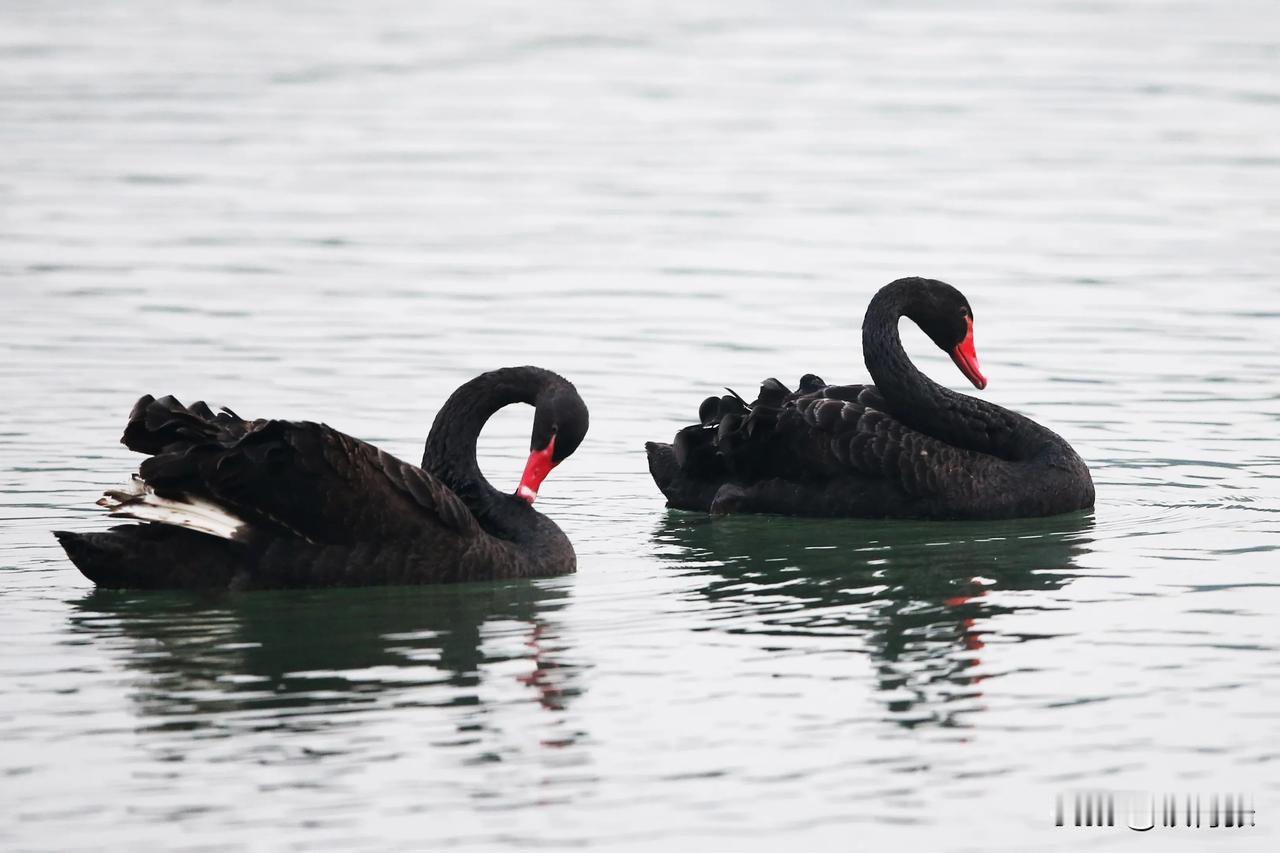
343, 214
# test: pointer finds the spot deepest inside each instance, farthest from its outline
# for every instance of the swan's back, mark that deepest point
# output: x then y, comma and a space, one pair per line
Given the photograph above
836, 450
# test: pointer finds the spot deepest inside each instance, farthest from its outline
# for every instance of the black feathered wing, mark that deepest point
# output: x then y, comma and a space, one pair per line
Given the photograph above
850, 423
816, 434
305, 478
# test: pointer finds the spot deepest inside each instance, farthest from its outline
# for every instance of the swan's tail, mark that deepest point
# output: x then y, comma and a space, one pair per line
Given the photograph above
152, 556
731, 441
682, 488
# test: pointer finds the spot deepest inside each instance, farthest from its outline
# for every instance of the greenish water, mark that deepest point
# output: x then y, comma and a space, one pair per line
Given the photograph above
343, 215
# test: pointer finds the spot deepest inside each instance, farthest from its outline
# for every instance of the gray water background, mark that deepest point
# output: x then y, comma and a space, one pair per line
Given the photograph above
340, 212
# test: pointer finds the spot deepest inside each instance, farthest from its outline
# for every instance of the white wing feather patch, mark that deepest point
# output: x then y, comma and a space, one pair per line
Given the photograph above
139, 501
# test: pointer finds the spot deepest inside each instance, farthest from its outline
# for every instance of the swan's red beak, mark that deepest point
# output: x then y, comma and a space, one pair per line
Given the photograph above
966, 358
535, 471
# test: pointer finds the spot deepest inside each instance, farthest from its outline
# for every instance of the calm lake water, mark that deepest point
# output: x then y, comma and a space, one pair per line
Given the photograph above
342, 213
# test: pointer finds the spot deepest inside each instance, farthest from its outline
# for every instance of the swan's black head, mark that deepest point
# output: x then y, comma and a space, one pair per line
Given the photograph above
945, 316
560, 423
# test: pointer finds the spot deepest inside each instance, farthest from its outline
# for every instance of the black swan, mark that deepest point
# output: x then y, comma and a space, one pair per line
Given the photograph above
229, 503
904, 447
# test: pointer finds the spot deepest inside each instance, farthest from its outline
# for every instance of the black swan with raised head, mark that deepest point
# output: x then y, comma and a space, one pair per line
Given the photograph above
904, 447
230, 503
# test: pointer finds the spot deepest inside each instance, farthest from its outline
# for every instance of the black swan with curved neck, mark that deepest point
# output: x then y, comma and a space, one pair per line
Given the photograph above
230, 503
904, 447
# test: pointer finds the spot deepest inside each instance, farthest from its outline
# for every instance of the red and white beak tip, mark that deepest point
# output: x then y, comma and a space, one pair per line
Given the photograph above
966, 358
535, 471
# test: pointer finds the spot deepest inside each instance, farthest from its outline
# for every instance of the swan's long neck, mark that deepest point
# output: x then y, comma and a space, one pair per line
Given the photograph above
913, 397
923, 404
450, 452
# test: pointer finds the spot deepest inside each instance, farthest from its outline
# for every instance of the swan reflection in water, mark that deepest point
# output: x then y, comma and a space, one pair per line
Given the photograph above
918, 597
300, 661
